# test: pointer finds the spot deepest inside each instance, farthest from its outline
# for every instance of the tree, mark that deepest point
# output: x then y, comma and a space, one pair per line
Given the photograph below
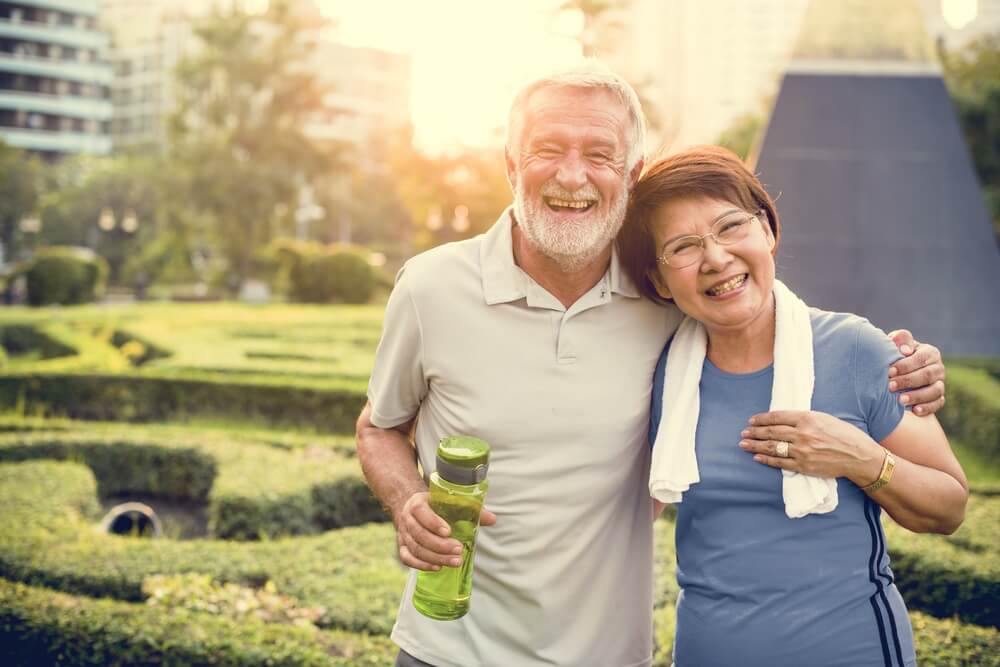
449, 197
973, 78
83, 193
20, 180
740, 135
244, 100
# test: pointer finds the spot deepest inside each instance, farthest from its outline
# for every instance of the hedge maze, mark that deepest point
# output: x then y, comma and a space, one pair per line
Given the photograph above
298, 565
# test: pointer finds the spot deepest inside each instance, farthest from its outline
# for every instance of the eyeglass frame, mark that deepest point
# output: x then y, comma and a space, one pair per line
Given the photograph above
663, 261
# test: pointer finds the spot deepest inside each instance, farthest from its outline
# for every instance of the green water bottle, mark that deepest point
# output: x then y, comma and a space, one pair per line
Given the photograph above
457, 490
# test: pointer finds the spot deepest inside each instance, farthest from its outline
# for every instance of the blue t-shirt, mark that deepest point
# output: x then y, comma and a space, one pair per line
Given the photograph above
758, 588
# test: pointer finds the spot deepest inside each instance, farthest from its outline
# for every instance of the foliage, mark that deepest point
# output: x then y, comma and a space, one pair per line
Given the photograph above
243, 101
79, 189
972, 411
47, 538
973, 78
40, 627
20, 185
956, 575
739, 137
66, 276
327, 274
252, 490
325, 347
434, 190
143, 398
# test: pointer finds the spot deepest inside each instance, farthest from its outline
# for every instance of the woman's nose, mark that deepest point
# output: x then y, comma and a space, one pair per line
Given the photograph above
714, 255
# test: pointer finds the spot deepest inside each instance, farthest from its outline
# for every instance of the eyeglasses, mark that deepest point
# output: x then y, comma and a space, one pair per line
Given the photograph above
687, 250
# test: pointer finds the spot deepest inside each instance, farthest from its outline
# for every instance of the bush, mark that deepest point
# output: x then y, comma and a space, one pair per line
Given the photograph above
180, 473
956, 575
65, 275
252, 490
144, 398
41, 627
333, 274
972, 412
47, 538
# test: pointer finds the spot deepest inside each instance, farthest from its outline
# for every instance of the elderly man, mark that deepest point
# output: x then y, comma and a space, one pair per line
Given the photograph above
532, 338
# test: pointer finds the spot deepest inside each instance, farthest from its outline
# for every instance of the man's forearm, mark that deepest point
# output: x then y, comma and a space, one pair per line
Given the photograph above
388, 461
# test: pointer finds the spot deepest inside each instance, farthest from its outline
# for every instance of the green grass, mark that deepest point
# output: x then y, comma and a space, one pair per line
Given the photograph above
276, 342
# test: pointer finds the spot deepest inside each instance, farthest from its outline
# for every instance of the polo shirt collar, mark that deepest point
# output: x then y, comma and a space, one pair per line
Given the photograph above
504, 281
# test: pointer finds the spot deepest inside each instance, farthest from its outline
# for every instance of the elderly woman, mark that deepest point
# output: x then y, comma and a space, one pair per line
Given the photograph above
779, 438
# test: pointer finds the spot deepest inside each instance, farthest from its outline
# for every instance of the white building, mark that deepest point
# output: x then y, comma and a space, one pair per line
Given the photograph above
705, 63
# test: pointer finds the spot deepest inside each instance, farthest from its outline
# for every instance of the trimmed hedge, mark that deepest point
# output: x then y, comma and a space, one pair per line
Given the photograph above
972, 412
41, 627
252, 490
956, 575
21, 339
144, 398
319, 273
48, 538
65, 275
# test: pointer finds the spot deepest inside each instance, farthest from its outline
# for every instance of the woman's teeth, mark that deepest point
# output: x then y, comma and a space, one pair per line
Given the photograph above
728, 286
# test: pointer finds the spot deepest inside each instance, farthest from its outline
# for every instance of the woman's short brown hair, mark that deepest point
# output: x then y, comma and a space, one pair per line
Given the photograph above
703, 171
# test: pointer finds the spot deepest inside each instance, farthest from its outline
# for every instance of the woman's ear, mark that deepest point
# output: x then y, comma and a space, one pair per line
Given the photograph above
659, 284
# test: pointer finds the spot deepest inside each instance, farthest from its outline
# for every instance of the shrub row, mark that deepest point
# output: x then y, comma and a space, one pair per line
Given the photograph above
351, 574
972, 412
143, 398
252, 490
956, 575
47, 538
41, 627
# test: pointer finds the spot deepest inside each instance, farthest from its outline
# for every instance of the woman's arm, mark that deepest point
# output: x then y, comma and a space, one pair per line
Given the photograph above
928, 490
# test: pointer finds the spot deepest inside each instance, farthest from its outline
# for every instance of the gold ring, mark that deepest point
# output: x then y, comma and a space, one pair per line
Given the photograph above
781, 449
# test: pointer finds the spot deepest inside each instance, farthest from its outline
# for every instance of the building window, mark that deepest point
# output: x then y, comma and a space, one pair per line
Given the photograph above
55, 52
35, 121
16, 15
62, 87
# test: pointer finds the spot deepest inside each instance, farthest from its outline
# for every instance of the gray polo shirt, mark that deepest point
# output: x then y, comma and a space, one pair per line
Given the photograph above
472, 345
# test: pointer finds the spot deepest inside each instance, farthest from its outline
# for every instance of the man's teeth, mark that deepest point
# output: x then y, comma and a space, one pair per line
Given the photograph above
728, 286
562, 203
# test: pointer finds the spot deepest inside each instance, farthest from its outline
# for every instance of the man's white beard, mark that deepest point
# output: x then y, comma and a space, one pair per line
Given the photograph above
570, 244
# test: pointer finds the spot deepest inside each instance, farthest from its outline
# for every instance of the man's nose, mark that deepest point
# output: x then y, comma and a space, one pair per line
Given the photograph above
572, 172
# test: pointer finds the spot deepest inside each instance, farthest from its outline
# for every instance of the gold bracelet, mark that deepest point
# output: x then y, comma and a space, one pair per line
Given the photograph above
888, 465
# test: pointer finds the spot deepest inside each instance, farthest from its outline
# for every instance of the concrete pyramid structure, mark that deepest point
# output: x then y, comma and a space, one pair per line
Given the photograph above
882, 212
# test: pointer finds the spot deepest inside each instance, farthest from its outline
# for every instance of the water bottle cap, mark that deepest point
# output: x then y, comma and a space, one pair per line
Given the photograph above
462, 459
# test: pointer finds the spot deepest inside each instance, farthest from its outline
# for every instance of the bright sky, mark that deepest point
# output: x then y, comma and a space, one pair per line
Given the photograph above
467, 56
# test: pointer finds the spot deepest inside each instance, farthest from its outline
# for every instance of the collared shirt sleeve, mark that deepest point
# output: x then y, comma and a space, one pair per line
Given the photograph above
398, 385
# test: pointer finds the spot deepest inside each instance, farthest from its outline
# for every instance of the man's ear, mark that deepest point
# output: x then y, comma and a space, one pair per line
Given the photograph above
659, 284
511, 166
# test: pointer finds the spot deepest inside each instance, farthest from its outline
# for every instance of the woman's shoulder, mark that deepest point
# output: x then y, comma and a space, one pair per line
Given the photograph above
847, 333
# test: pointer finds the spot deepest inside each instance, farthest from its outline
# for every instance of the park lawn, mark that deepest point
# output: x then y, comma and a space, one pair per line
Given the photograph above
270, 341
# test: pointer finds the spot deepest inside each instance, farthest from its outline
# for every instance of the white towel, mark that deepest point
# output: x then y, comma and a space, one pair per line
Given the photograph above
675, 466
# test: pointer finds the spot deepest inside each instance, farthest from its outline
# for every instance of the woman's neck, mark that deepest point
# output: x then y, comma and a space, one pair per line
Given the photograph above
747, 349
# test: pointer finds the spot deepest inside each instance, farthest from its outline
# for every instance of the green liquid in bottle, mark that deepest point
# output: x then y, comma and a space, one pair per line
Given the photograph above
444, 595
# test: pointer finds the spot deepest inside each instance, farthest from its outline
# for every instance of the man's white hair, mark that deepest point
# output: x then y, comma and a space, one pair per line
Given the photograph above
592, 74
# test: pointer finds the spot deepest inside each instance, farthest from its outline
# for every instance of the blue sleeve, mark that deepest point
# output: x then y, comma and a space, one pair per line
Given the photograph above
656, 405
873, 354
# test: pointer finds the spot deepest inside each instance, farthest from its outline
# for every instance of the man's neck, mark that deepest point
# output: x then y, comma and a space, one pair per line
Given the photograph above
567, 286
